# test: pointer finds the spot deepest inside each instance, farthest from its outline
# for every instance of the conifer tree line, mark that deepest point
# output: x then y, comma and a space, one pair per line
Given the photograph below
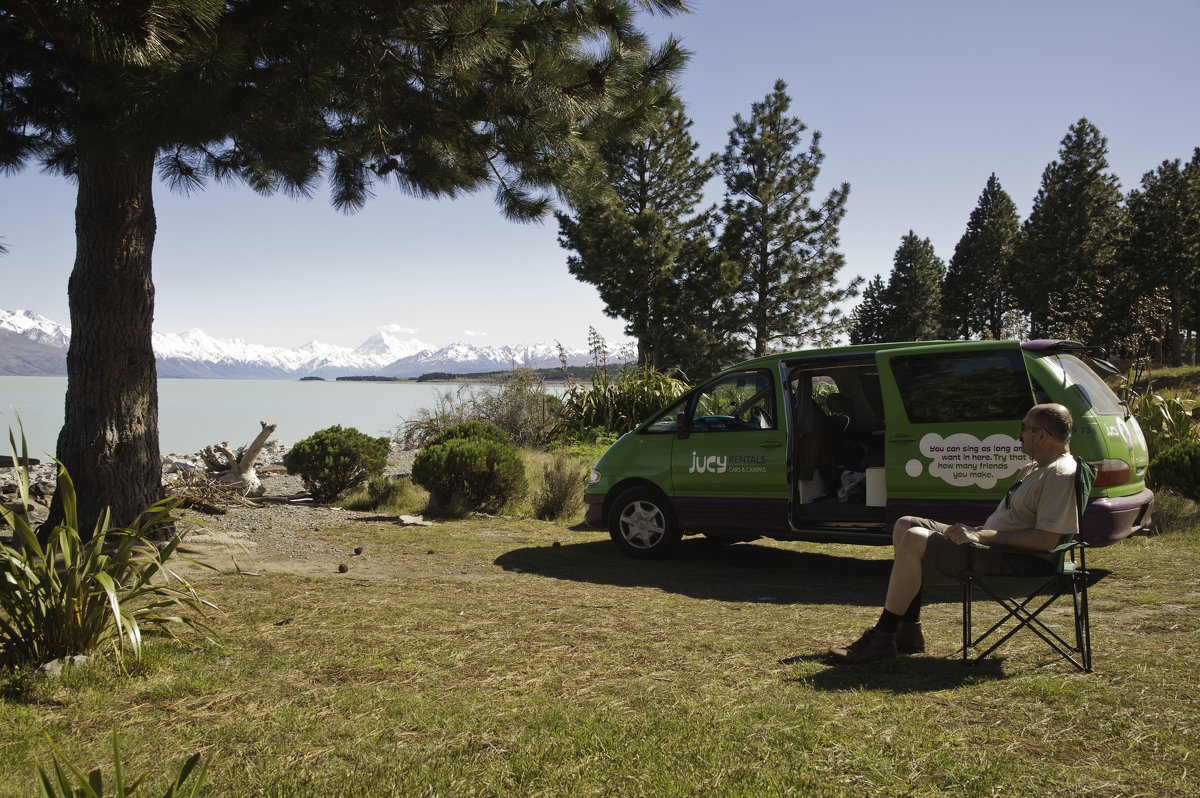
702, 287
1118, 271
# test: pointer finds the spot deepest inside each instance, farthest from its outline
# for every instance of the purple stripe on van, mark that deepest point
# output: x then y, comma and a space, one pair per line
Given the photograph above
768, 516
949, 511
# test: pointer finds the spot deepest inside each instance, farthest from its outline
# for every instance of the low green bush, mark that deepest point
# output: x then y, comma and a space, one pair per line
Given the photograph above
483, 473
1178, 469
473, 429
67, 596
561, 494
335, 460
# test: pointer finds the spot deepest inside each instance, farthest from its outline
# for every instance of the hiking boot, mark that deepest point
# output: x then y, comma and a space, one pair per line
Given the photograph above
873, 645
909, 638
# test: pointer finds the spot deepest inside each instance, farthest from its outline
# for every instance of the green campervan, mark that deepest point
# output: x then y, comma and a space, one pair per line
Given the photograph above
836, 444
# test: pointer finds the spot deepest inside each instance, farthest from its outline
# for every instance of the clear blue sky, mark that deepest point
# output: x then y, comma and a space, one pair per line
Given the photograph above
917, 103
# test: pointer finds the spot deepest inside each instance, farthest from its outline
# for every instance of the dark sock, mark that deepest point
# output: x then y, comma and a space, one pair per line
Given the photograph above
913, 613
888, 622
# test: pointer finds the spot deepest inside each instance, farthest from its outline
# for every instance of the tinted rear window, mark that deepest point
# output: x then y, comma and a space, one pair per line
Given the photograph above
1079, 377
963, 386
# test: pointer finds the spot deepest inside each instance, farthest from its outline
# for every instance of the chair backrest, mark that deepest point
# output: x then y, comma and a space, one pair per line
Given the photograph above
1085, 477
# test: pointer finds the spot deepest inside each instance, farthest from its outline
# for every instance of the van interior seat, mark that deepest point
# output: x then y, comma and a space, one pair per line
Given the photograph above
854, 448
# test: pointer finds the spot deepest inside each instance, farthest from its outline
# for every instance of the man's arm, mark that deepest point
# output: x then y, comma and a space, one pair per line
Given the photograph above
1025, 539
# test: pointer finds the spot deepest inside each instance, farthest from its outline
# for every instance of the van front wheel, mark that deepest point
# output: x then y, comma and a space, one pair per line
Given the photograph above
642, 524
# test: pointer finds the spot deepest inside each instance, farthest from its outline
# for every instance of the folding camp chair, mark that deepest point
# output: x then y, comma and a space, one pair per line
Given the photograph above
1024, 598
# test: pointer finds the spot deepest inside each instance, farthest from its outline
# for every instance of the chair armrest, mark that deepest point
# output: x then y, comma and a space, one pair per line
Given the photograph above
1060, 548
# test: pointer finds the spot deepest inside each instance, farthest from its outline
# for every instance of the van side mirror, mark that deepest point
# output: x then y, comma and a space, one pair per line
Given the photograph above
681, 425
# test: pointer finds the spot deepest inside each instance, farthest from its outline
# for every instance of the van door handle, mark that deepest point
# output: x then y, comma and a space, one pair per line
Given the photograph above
770, 444
902, 439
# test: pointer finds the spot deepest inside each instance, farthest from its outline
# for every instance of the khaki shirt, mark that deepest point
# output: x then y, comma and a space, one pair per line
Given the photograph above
1041, 498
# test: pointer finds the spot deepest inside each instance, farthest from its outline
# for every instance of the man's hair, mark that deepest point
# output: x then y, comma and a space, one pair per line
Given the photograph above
1056, 420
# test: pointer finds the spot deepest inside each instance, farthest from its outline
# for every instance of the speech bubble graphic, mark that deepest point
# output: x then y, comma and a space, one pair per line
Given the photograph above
963, 459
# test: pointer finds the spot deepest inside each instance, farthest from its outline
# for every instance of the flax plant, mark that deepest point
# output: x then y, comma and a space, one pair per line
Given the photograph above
1165, 420
618, 405
63, 595
69, 781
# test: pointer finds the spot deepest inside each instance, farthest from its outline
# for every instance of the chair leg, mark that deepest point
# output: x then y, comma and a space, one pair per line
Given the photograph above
1020, 612
1083, 626
966, 623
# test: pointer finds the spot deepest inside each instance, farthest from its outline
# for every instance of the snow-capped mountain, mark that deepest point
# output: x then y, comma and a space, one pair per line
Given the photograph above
195, 353
38, 329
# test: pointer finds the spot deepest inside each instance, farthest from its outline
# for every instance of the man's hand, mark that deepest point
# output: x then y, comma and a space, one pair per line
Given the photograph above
961, 534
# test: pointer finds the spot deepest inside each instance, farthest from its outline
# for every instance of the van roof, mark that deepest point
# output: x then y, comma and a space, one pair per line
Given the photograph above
1038, 345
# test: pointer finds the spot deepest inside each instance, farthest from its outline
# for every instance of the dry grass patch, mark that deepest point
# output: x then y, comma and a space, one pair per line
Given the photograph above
501, 657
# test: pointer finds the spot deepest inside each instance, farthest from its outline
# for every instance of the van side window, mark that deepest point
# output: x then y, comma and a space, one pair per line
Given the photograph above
743, 401
963, 387
666, 420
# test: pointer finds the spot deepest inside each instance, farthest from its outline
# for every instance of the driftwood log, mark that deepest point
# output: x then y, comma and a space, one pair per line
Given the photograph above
233, 469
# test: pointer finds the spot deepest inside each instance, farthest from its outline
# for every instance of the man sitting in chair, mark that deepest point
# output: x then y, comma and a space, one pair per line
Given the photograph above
1036, 514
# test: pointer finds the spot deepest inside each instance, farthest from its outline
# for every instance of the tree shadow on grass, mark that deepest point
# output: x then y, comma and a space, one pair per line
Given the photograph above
743, 572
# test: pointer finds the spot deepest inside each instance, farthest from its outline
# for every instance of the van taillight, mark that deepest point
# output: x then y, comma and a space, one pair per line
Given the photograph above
1111, 472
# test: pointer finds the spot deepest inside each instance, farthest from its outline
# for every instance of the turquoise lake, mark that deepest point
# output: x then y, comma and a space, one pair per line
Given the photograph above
198, 413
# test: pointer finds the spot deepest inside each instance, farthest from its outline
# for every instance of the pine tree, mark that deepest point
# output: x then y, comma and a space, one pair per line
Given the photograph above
913, 297
436, 98
785, 246
1068, 252
1164, 244
649, 251
976, 293
869, 320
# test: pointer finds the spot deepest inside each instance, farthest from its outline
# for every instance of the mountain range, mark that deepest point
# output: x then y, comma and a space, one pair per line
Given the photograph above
32, 345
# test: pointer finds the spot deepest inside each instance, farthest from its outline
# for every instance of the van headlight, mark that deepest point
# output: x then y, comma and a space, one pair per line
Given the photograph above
595, 477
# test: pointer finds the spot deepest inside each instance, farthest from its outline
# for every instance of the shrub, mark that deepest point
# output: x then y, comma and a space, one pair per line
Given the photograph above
67, 596
562, 489
468, 430
395, 494
517, 403
1178, 469
487, 474
335, 460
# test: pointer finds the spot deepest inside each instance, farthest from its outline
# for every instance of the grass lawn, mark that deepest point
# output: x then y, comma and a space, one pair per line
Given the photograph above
501, 657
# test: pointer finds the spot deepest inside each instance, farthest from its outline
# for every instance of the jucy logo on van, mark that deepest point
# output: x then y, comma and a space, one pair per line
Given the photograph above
718, 464
836, 444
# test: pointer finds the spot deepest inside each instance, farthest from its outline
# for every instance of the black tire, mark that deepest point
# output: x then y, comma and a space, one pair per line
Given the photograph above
642, 524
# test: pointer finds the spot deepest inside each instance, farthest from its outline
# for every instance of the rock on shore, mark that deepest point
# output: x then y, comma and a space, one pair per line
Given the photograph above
269, 464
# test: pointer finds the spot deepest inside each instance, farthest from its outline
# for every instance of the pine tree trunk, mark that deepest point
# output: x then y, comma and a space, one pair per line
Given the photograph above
109, 441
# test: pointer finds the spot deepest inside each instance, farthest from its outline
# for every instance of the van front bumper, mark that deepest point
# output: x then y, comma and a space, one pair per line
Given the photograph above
593, 509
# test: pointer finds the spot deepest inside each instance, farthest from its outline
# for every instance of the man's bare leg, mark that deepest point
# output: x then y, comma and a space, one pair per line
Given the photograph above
904, 585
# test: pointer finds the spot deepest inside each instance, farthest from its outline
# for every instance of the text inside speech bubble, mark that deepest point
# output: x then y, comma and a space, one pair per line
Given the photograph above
963, 459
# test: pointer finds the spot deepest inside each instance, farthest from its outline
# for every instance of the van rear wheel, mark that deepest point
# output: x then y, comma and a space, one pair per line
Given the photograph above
642, 524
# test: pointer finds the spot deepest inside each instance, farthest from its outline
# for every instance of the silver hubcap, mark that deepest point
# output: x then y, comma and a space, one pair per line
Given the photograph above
642, 525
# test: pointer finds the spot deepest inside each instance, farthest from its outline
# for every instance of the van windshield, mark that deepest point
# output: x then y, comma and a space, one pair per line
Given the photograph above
1076, 374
